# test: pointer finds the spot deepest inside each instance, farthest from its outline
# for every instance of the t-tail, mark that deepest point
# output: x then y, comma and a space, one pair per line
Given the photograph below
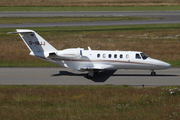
38, 46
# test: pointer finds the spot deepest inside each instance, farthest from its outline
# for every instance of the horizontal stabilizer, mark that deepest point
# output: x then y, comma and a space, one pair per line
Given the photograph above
19, 32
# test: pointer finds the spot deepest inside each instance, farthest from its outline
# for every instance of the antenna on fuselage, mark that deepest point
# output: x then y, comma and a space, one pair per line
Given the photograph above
89, 48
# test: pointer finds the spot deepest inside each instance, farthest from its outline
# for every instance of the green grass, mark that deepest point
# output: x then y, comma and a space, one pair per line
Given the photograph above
16, 20
89, 102
120, 8
158, 41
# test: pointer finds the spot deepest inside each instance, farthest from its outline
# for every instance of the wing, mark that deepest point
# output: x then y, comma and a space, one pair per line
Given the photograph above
97, 67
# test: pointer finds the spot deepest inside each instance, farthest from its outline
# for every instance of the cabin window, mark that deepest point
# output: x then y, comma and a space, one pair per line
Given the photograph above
98, 55
109, 55
104, 55
144, 56
115, 55
138, 56
121, 56
127, 56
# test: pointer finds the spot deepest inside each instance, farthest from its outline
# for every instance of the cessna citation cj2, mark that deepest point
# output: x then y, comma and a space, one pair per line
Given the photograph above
89, 60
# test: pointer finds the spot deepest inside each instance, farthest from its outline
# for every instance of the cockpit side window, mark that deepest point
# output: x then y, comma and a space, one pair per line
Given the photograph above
144, 56
138, 56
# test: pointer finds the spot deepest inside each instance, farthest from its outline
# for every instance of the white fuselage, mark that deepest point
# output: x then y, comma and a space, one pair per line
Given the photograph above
80, 59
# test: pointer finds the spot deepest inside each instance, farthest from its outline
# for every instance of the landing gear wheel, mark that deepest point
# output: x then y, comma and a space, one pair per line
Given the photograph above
90, 74
96, 73
153, 73
89, 77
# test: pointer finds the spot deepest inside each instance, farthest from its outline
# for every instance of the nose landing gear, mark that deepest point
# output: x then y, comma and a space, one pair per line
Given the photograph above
153, 73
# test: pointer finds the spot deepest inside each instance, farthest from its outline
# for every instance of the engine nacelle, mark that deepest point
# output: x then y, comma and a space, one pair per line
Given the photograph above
70, 53
40, 54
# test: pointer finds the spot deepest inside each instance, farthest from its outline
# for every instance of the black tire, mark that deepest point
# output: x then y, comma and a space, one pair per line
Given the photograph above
153, 73
89, 77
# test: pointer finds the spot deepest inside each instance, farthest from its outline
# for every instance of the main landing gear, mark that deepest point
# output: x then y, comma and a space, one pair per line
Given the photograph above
90, 74
153, 73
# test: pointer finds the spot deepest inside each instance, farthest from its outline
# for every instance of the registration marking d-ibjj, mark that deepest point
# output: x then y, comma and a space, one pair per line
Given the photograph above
37, 43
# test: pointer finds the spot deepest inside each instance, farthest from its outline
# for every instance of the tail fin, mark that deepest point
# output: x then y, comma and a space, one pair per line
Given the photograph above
34, 42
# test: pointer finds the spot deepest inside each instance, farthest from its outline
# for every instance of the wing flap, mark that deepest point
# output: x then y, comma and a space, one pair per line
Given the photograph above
97, 67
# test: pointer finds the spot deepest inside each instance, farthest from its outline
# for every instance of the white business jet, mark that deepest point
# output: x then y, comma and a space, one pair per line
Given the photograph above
89, 60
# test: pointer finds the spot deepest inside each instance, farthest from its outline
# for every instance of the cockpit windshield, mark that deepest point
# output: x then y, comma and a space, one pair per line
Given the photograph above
144, 56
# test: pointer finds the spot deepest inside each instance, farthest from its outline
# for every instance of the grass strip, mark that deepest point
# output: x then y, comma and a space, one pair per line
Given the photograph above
89, 102
157, 41
85, 3
16, 20
99, 8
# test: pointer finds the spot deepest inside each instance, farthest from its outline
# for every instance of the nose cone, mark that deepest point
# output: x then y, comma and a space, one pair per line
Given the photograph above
165, 65
158, 64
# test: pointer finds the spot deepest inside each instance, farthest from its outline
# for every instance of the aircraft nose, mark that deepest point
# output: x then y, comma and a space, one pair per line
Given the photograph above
161, 64
165, 65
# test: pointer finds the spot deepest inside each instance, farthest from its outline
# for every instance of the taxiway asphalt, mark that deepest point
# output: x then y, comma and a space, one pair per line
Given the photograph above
64, 76
89, 13
168, 17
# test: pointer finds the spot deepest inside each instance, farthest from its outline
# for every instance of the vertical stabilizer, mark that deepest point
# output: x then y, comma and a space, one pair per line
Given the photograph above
34, 42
